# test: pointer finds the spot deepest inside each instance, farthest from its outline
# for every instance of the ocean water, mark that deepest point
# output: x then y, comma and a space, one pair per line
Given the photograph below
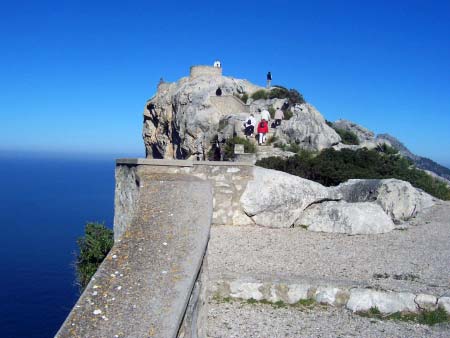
44, 205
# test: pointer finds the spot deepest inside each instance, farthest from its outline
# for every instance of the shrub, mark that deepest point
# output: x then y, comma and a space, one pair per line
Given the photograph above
259, 95
288, 114
271, 110
348, 137
249, 147
93, 248
293, 96
278, 92
331, 167
244, 98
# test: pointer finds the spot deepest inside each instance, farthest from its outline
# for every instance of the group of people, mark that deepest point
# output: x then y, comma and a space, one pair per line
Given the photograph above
263, 125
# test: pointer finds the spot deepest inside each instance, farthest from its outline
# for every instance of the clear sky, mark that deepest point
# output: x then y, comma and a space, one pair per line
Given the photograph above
75, 75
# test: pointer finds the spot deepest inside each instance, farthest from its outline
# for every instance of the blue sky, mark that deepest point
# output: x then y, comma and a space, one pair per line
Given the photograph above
75, 75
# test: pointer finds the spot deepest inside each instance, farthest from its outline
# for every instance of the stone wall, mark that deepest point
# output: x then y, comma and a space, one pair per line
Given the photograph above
205, 70
144, 285
228, 104
228, 179
126, 198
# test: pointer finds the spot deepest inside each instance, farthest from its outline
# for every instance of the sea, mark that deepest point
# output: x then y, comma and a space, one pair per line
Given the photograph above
45, 202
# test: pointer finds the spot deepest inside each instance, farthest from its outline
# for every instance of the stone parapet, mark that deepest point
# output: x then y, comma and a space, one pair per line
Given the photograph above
197, 71
143, 286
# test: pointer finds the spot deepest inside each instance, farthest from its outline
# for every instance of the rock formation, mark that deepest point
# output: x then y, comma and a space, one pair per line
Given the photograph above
280, 200
183, 117
308, 129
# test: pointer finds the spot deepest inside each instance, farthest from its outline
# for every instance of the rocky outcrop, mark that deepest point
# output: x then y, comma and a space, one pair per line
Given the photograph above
399, 199
182, 119
276, 199
280, 200
347, 218
308, 129
362, 133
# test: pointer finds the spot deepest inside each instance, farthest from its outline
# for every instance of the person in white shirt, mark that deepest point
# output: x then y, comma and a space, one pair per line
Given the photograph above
249, 126
265, 115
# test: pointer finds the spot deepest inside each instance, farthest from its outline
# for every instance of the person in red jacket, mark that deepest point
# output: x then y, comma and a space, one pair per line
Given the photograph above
263, 129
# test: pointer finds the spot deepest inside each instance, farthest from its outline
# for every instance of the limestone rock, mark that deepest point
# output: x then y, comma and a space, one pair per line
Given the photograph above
365, 136
347, 218
308, 129
399, 199
276, 199
385, 302
362, 133
444, 303
426, 302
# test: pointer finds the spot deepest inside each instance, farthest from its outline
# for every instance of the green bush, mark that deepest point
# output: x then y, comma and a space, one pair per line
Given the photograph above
288, 114
93, 248
244, 98
331, 167
271, 110
259, 95
249, 147
278, 92
295, 97
348, 137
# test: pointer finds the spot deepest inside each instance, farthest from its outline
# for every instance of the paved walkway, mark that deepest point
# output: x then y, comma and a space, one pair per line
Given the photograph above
413, 260
243, 320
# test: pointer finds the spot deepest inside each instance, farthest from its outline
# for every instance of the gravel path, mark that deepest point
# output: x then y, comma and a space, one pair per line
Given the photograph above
239, 319
415, 260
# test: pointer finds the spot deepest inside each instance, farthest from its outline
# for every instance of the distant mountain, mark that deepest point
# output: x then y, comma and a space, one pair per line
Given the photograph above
420, 162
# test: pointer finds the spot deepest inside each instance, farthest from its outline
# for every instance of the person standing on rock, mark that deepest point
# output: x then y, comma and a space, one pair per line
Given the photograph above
279, 115
263, 129
269, 80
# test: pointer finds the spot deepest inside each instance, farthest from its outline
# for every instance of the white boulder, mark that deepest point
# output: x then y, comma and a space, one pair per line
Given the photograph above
276, 199
399, 199
386, 302
308, 129
347, 218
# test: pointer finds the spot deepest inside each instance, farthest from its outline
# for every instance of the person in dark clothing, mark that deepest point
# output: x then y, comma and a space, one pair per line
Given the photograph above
219, 91
269, 79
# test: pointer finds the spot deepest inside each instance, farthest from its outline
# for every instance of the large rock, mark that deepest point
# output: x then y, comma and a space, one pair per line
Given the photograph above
183, 117
365, 136
276, 199
347, 218
362, 133
308, 129
399, 199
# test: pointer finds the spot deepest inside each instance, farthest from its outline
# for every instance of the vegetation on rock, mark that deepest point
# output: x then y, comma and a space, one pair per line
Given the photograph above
260, 95
347, 136
330, 167
425, 317
279, 92
249, 147
93, 248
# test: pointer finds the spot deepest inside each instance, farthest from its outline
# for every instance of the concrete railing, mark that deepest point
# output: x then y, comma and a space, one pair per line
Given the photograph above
163, 212
143, 286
